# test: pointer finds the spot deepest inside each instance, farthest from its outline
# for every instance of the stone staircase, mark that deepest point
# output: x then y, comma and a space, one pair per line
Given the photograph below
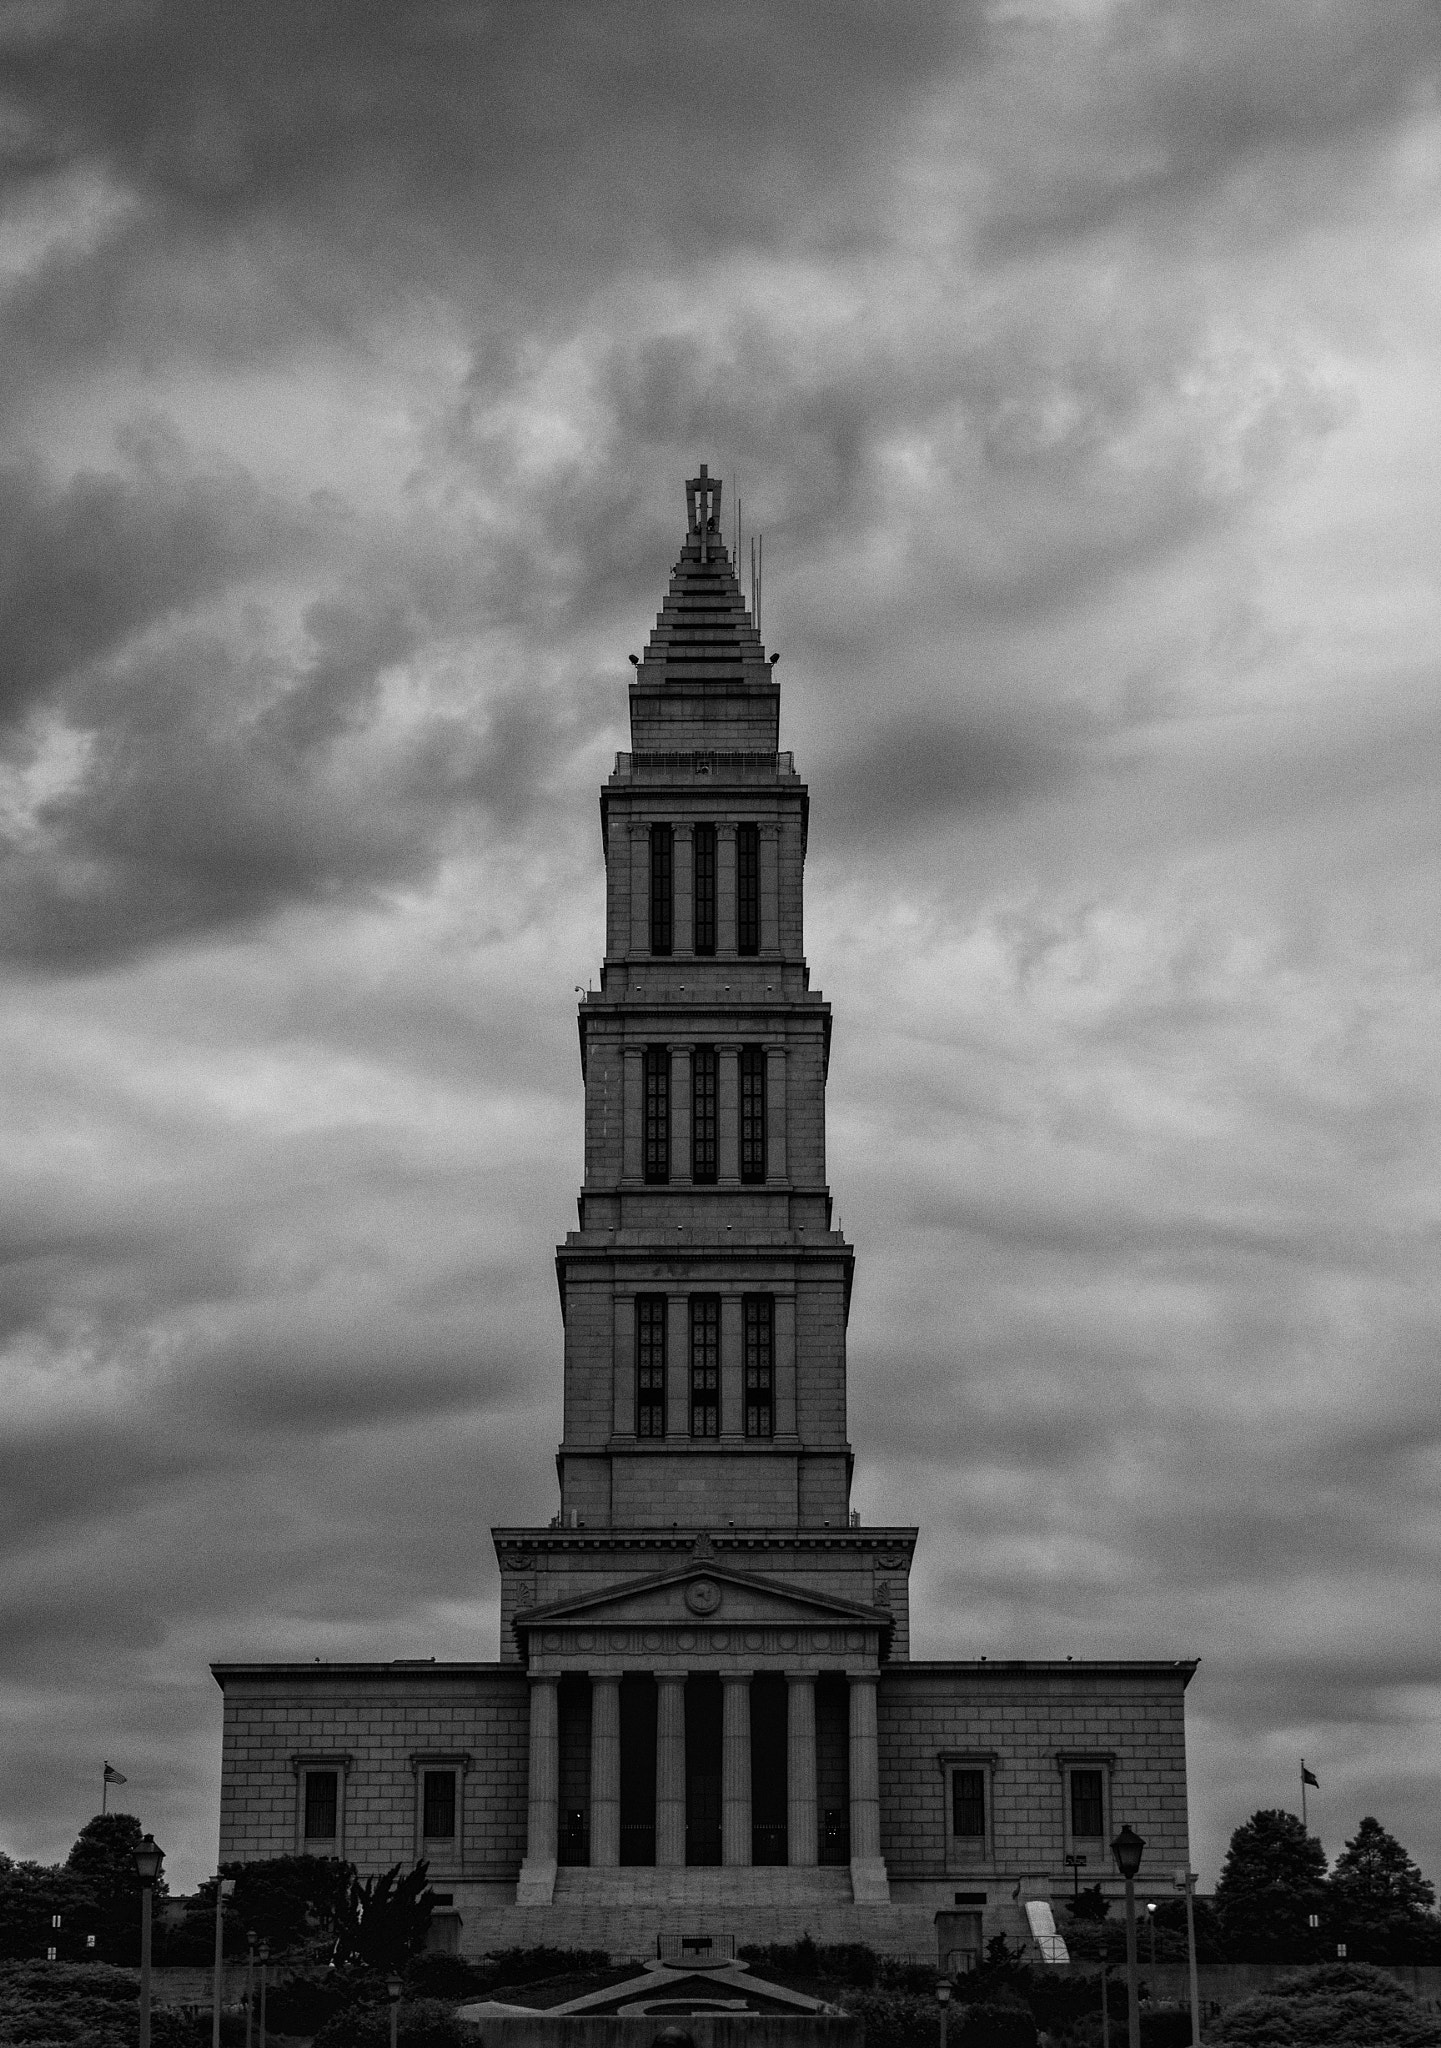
629, 1912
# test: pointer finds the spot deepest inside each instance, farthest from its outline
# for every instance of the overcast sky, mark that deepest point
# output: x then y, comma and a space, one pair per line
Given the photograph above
1081, 362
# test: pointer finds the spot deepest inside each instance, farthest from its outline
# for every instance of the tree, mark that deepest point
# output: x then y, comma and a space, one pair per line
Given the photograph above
1273, 1880
103, 1858
1381, 1902
1090, 1903
288, 1901
386, 1919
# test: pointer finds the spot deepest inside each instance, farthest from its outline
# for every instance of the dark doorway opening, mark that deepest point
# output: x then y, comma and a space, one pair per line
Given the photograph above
637, 1768
703, 1769
768, 1768
574, 1788
833, 1768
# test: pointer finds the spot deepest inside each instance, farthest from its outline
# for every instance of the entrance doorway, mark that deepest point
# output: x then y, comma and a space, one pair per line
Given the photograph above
637, 1768
703, 1736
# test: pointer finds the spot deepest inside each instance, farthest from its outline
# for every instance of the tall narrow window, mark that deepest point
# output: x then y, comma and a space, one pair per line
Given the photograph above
662, 891
1088, 1816
760, 1329
650, 1365
703, 843
705, 1365
438, 1794
321, 1805
753, 1113
703, 1114
968, 1805
657, 1114
748, 888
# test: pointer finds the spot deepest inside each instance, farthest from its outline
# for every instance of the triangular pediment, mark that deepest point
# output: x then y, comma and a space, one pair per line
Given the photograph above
704, 1591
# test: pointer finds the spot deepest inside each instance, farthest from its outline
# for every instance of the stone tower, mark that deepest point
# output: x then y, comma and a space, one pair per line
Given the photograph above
703, 1598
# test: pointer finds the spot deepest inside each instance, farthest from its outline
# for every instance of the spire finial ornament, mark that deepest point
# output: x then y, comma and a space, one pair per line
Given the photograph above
702, 505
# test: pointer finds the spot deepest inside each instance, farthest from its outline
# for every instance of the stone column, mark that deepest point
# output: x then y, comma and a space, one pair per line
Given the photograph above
537, 1874
801, 1767
683, 875
639, 891
728, 1116
869, 1884
670, 1769
680, 1115
735, 1767
633, 1115
770, 889
605, 1769
725, 891
775, 1114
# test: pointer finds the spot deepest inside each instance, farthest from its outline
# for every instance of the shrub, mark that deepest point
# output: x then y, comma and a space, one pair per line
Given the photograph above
998, 2026
844, 1962
420, 2023
1341, 2005
896, 2019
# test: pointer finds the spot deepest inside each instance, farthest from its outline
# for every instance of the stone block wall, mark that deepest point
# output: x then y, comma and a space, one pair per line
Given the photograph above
1027, 1719
373, 1719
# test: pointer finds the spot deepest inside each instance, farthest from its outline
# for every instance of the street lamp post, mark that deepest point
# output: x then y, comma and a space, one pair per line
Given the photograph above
224, 1886
394, 1986
264, 1959
1186, 1882
1151, 1921
148, 1859
249, 1981
1127, 1849
943, 2000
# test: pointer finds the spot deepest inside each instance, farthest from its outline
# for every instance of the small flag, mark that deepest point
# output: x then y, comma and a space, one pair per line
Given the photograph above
114, 1777
1310, 1778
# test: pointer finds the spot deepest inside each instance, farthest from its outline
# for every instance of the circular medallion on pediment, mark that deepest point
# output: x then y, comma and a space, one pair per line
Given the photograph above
755, 1639
786, 1640
855, 1640
720, 1638
651, 1639
685, 1639
620, 1639
551, 1639
820, 1639
702, 1596
518, 1560
585, 1640
892, 1561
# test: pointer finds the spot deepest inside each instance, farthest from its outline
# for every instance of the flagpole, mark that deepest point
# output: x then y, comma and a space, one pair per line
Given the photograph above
1305, 1829
104, 1788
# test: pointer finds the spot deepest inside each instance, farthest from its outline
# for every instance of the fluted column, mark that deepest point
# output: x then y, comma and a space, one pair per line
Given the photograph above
537, 1873
869, 1884
801, 1767
735, 1768
670, 1769
605, 1770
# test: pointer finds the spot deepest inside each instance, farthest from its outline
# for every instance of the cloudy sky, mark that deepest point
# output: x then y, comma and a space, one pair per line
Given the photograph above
1081, 362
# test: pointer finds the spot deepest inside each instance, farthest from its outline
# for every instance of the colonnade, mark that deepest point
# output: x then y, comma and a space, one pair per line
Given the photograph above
670, 1769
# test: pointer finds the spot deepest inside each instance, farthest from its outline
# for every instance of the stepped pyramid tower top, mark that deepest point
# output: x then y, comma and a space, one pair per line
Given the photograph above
704, 680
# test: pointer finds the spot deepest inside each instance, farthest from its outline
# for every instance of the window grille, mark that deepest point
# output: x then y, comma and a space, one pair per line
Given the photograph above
753, 1113
662, 894
703, 843
1088, 1811
322, 1805
657, 1114
705, 1365
748, 888
760, 1322
703, 1114
650, 1365
968, 1805
438, 1816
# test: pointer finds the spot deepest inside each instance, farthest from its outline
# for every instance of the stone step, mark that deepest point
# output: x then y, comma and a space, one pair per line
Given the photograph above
571, 1922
